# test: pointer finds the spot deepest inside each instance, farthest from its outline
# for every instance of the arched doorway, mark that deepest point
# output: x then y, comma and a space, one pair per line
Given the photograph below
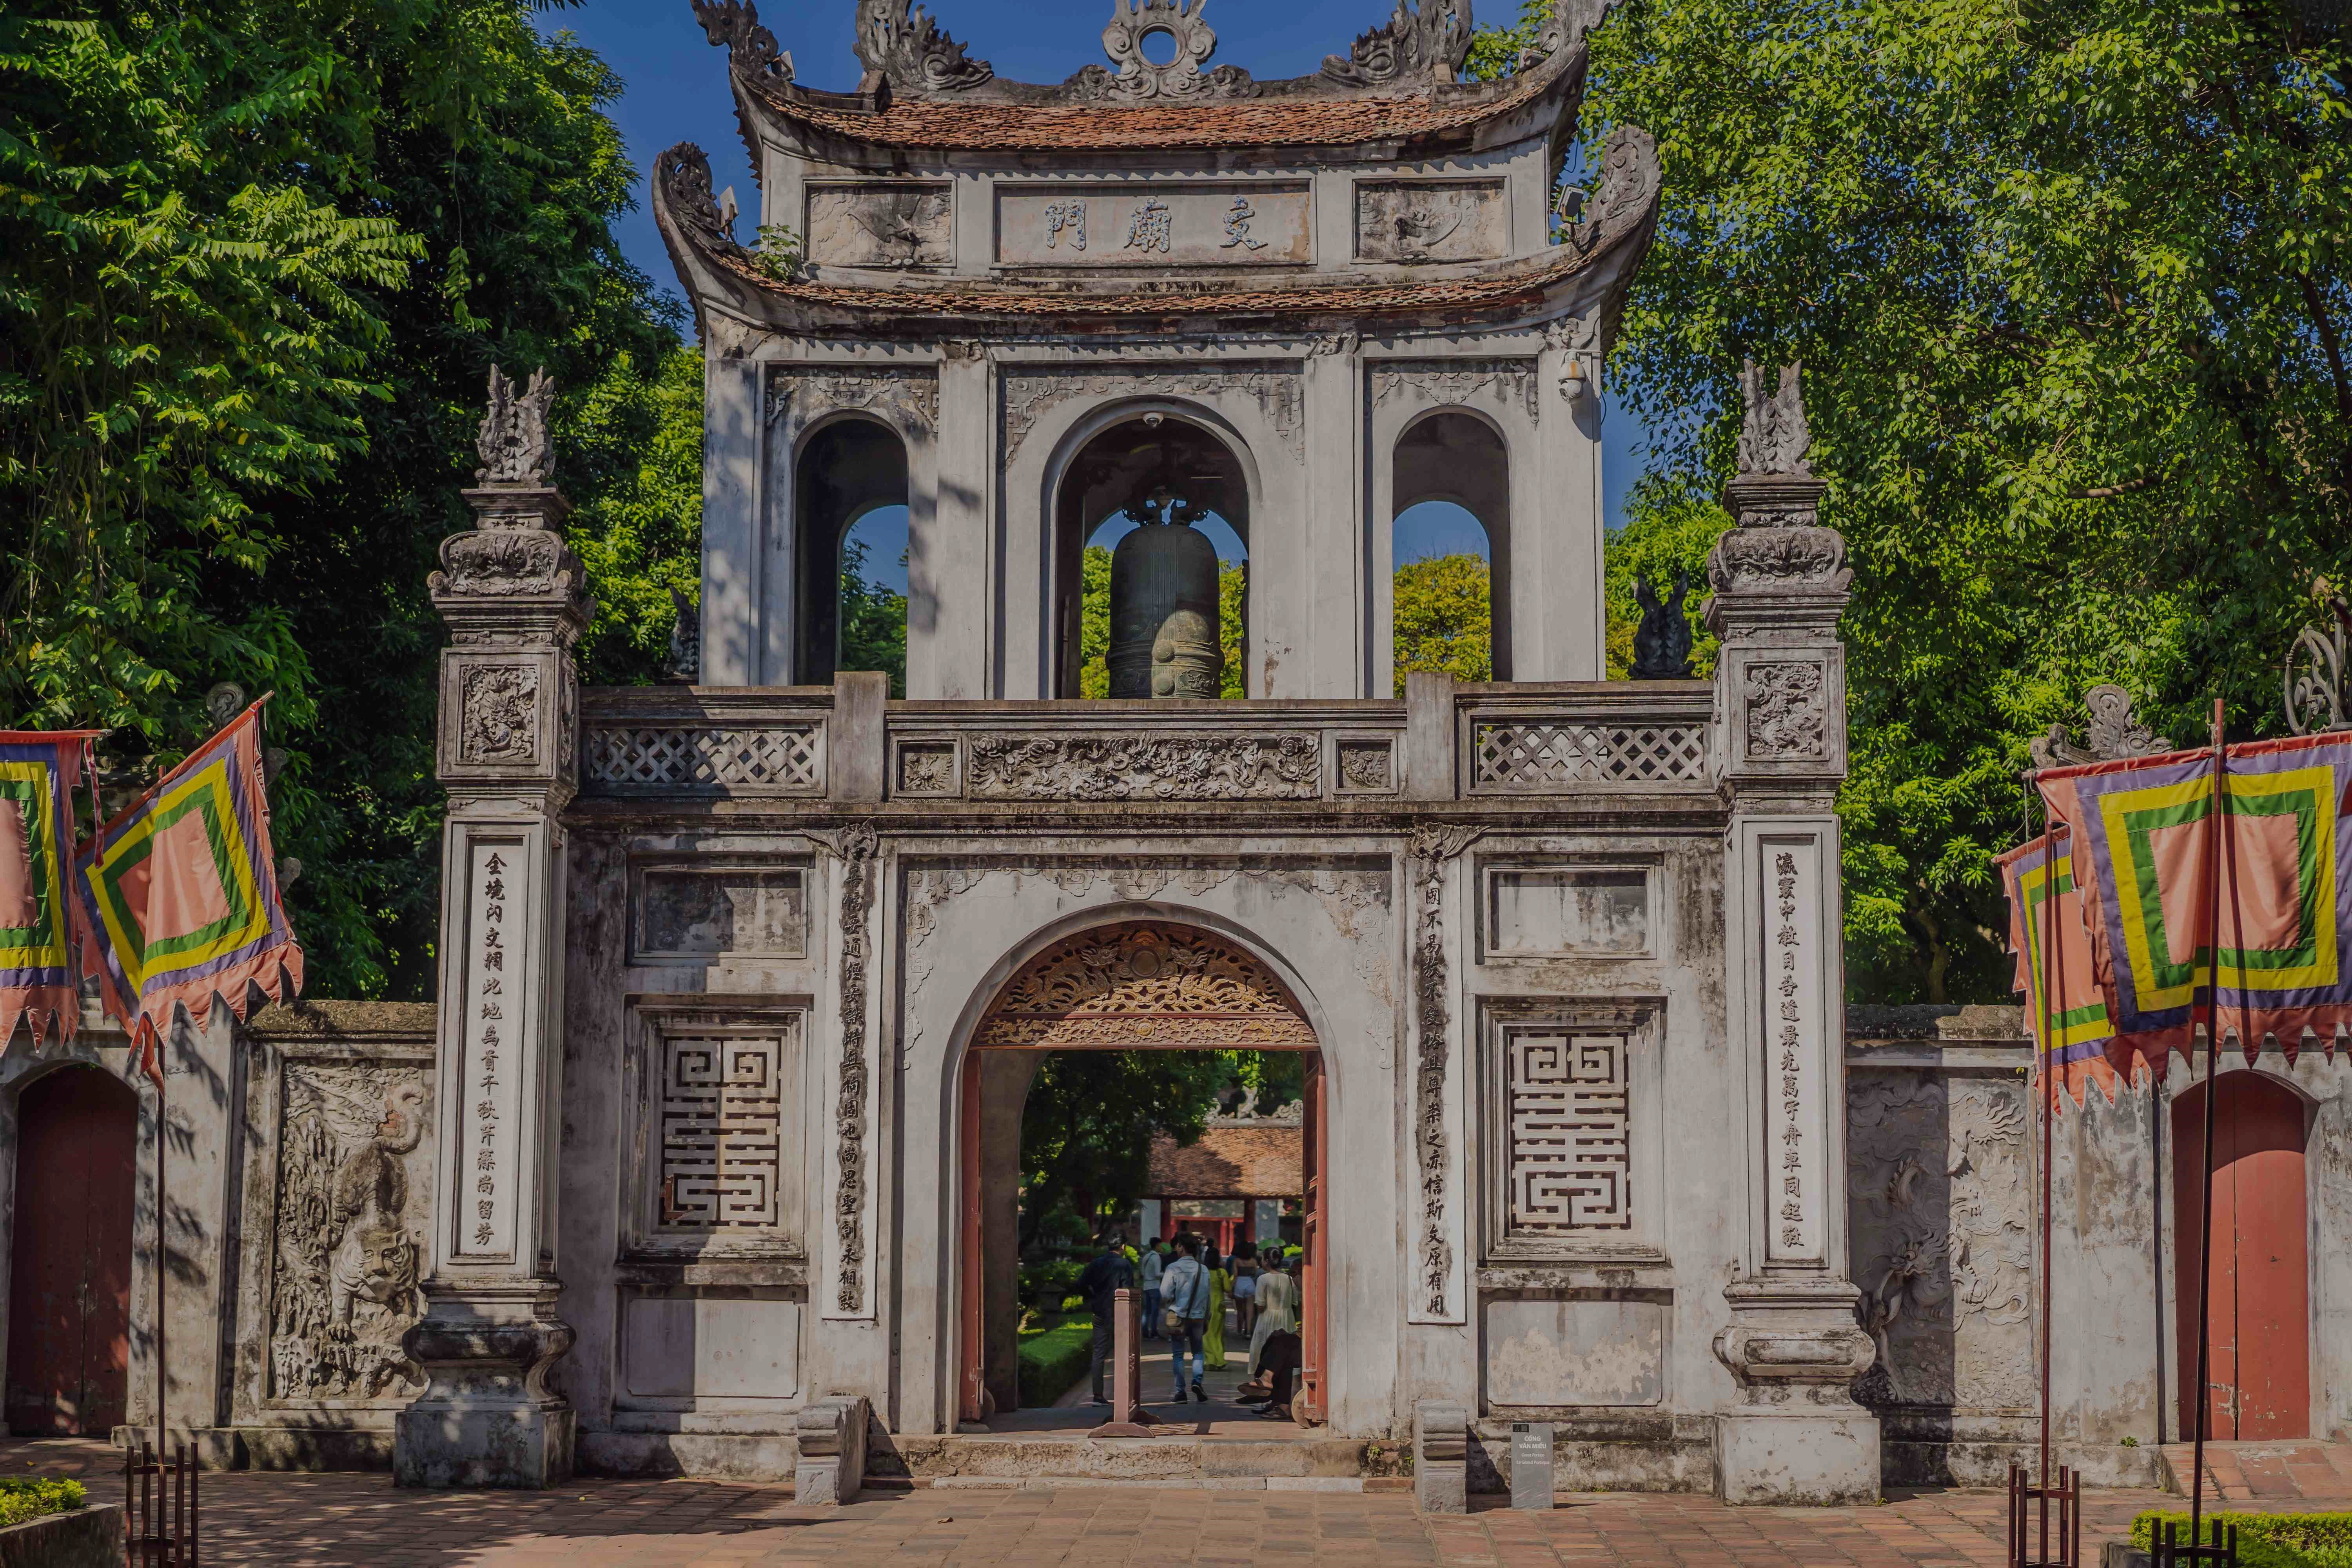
69, 1280
1455, 459
1139, 985
2259, 1297
846, 470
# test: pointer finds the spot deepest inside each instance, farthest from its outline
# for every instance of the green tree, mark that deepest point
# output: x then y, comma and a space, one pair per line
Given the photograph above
2068, 283
1668, 529
1087, 1127
640, 536
873, 621
1441, 618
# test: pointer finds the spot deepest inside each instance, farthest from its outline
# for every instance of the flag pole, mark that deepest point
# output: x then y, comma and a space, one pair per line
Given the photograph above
2205, 1154
2049, 1088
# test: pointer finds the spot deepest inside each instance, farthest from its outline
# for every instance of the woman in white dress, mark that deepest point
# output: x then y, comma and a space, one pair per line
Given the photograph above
1277, 1310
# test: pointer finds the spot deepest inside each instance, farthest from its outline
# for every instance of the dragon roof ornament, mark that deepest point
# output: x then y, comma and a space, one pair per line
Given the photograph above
513, 442
735, 25
1412, 49
899, 43
1137, 79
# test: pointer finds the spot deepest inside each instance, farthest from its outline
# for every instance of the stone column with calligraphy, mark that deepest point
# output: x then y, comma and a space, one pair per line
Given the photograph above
1794, 1432
511, 592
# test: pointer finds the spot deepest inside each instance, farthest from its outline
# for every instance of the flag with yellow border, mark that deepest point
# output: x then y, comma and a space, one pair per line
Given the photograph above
38, 771
2065, 1009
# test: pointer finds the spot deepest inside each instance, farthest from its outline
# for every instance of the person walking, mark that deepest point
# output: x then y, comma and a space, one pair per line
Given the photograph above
1099, 1285
1155, 1259
1244, 1288
1220, 1284
1277, 1313
1184, 1293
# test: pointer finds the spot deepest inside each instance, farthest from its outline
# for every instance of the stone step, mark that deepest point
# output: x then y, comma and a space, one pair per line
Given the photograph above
1277, 1463
2236, 1472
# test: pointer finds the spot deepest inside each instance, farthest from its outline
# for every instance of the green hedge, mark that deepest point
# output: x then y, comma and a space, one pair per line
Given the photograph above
1054, 1355
2268, 1540
30, 1497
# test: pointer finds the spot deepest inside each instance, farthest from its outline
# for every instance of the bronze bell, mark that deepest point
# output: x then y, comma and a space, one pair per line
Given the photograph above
1164, 604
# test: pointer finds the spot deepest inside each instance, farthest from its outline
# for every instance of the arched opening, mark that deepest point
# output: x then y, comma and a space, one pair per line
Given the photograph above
1151, 564
1451, 549
69, 1279
2258, 1380
1126, 989
849, 566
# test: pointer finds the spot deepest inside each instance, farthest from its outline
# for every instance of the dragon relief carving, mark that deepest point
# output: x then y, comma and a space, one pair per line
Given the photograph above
1768, 555
1938, 1194
899, 43
347, 1257
683, 175
513, 441
1134, 78
1121, 984
1629, 182
1145, 765
502, 562
1788, 709
498, 714
1415, 48
1433, 846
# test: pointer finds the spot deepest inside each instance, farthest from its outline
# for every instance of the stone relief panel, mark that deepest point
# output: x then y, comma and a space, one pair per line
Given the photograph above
887, 225
1432, 220
498, 714
909, 400
348, 1235
1939, 1195
1166, 984
692, 914
1510, 382
1145, 766
1366, 766
1788, 711
1232, 224
1279, 395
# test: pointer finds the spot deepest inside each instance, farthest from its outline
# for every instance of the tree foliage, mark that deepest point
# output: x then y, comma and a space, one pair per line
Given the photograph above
1086, 1127
1441, 618
2067, 281
872, 620
256, 261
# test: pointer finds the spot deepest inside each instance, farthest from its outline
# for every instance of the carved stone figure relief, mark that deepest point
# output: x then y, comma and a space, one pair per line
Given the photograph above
1139, 984
1029, 397
349, 1232
1145, 766
513, 441
503, 562
1470, 380
1769, 555
1365, 767
1433, 846
499, 715
1430, 220
891, 224
1788, 711
1938, 1191
908, 399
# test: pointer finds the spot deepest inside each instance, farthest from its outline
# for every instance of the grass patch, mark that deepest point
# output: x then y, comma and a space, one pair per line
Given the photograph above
2268, 1540
30, 1497
1057, 1350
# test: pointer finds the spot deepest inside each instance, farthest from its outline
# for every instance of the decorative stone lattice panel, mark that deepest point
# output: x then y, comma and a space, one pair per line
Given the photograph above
777, 759
721, 1132
1570, 1166
1534, 756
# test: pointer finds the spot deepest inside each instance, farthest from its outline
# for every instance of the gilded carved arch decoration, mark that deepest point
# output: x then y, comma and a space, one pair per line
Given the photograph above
1141, 983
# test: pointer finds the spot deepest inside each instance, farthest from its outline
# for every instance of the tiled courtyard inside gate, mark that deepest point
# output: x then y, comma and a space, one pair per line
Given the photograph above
362, 1520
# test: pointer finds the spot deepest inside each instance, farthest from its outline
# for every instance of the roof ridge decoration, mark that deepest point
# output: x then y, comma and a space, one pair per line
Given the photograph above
736, 24
899, 43
1630, 177
1140, 81
1415, 48
1570, 22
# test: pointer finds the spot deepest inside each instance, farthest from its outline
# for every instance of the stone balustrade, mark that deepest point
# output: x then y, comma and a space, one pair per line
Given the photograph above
1445, 741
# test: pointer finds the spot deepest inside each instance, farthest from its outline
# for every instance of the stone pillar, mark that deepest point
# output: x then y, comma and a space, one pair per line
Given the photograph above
511, 592
1441, 1457
1796, 1435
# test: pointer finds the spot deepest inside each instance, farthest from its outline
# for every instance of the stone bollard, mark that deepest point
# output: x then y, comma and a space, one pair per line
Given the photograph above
1441, 1457
831, 1467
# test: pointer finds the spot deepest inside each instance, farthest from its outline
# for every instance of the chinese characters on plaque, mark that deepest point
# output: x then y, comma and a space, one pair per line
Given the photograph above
488, 1041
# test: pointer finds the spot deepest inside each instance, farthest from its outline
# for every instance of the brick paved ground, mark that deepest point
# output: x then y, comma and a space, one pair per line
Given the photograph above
360, 1521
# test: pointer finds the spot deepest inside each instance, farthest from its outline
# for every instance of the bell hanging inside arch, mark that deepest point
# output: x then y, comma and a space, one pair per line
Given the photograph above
1164, 604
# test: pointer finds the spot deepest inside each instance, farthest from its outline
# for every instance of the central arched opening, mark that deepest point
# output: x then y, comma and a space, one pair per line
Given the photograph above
1152, 564
1451, 546
850, 571
1120, 1034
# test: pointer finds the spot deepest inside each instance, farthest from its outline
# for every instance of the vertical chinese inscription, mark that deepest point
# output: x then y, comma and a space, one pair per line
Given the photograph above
1566, 1099
721, 1139
1793, 1198
487, 1040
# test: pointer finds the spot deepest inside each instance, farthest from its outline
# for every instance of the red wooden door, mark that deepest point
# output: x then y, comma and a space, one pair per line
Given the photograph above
70, 1284
1311, 1401
2259, 1374
972, 1321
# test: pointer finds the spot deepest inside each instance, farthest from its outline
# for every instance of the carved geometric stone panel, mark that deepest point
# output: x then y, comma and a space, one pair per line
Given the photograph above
721, 1132
1570, 1165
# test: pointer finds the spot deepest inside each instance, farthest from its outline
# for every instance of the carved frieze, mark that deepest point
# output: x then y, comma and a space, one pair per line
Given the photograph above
1788, 709
1433, 845
1145, 765
799, 397
894, 224
1415, 48
854, 848
498, 714
348, 1238
897, 42
1225, 222
1772, 555
1430, 220
1124, 986
1506, 382
1030, 396
1939, 1195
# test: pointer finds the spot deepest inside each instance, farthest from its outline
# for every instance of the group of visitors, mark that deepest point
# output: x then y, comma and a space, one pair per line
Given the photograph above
1186, 1289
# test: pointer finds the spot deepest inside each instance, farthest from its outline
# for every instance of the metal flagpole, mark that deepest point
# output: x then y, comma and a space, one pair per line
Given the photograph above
2050, 970
2212, 1070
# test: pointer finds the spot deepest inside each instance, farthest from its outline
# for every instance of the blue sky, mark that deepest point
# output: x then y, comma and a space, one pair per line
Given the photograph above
677, 91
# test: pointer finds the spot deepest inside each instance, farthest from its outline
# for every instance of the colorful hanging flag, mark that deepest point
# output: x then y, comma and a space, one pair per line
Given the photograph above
177, 897
2071, 1042
2144, 831
38, 770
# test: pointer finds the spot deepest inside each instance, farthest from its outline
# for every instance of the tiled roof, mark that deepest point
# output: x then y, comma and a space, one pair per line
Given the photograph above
948, 123
1229, 1163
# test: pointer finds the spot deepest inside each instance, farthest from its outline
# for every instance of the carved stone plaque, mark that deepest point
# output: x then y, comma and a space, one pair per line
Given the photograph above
1600, 911
1570, 1162
717, 1159
692, 914
1237, 224
895, 224
1432, 220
